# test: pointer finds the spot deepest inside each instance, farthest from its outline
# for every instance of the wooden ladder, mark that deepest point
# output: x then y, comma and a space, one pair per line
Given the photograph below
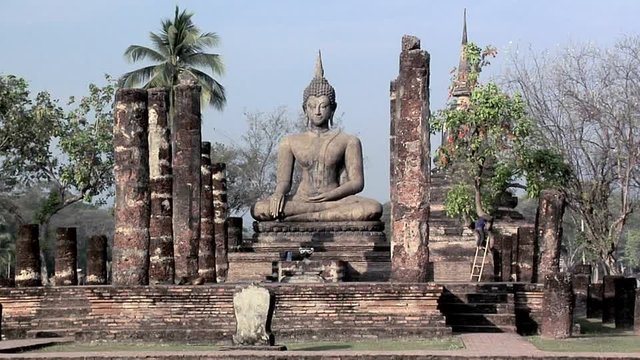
476, 269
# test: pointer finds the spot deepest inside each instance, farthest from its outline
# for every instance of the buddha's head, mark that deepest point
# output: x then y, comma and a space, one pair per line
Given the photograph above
319, 98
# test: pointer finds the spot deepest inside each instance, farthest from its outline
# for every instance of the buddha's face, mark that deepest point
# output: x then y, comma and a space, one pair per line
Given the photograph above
319, 110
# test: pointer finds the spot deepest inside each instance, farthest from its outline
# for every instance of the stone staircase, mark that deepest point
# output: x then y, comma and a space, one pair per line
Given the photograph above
59, 314
481, 307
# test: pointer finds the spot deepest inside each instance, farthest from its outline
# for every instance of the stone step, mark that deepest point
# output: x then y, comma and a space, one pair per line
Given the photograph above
52, 333
487, 287
484, 329
474, 298
477, 308
365, 332
464, 319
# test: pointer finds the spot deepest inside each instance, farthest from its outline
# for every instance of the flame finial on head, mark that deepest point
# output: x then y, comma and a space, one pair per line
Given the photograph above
319, 69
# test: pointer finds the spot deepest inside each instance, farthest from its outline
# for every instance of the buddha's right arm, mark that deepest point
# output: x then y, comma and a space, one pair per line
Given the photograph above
284, 173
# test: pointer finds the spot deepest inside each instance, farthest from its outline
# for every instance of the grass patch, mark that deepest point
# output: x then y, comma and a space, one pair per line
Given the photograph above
449, 343
594, 337
101, 347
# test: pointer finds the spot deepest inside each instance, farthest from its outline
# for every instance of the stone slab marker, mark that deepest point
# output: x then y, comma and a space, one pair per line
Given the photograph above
234, 232
410, 165
251, 306
594, 301
28, 257
97, 260
609, 298
557, 306
186, 138
625, 299
219, 190
66, 256
206, 252
132, 205
161, 266
549, 232
581, 281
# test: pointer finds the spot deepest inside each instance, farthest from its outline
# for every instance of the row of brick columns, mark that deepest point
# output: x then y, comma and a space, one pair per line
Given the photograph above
170, 199
28, 264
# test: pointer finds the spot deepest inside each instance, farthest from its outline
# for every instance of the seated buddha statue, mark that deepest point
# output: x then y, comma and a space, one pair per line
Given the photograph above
323, 155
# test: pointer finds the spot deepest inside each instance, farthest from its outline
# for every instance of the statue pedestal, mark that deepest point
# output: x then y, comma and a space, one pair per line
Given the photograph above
361, 245
308, 270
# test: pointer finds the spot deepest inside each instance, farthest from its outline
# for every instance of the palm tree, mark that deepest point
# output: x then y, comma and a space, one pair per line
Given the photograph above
178, 51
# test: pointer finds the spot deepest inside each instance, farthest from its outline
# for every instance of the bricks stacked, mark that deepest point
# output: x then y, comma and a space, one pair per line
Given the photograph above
66, 256
594, 300
549, 232
581, 281
161, 267
219, 191
525, 250
186, 138
625, 297
410, 165
609, 298
557, 308
28, 256
234, 232
97, 260
132, 204
206, 252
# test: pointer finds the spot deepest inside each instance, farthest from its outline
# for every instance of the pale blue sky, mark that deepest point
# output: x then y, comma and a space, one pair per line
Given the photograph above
269, 49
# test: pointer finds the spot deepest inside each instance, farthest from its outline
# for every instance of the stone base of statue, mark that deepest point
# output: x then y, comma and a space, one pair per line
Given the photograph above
308, 270
360, 246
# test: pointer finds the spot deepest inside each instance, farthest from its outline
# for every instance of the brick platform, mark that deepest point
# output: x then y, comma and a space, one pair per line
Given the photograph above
204, 314
362, 245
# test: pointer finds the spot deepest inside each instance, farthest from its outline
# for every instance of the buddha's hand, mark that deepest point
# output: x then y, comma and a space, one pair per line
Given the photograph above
320, 198
276, 206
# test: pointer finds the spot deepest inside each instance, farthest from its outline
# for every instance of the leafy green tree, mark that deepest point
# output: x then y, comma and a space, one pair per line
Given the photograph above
493, 146
71, 152
178, 51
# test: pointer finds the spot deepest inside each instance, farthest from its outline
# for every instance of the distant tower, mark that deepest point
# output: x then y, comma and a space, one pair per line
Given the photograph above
461, 88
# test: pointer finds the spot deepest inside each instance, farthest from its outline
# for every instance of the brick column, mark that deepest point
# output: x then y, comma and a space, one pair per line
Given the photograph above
28, 257
557, 306
581, 281
97, 260
66, 256
410, 165
549, 232
636, 316
186, 138
625, 299
526, 253
161, 266
234, 232
609, 298
594, 301
219, 190
132, 205
206, 252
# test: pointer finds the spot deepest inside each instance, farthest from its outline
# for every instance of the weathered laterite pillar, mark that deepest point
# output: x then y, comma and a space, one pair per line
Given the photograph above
132, 206
161, 266
526, 253
28, 257
636, 316
66, 256
219, 190
594, 301
581, 281
97, 260
609, 298
234, 232
186, 138
410, 163
557, 306
625, 302
549, 232
206, 254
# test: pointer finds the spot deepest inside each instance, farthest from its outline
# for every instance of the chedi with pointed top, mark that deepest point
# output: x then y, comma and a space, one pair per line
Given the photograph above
323, 154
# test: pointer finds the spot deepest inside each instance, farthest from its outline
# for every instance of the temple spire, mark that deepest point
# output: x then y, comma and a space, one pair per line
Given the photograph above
464, 28
461, 86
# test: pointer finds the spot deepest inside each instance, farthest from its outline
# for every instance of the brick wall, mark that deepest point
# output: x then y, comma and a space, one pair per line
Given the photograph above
204, 314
